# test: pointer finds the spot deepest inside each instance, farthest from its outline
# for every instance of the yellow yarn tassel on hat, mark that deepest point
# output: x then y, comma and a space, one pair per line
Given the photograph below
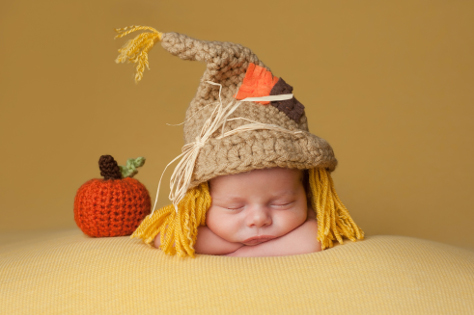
178, 230
334, 220
136, 50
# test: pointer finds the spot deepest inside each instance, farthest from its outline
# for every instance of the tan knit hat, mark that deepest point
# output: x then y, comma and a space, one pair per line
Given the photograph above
242, 118
240, 74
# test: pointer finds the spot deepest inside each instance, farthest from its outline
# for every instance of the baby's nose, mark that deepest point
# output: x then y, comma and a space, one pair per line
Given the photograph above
258, 217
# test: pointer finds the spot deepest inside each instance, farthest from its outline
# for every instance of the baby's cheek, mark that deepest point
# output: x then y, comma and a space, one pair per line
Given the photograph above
221, 225
291, 220
211, 222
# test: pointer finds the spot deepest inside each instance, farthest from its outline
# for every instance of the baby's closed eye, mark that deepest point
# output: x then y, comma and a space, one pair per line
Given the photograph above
282, 204
234, 207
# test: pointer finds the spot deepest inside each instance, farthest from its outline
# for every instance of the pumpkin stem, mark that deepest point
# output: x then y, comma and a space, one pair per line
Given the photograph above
109, 168
130, 169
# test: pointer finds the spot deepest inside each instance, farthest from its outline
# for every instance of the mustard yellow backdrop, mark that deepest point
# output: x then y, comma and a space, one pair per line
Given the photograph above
388, 84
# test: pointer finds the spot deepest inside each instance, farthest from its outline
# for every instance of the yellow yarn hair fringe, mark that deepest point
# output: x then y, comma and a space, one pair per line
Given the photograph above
136, 50
334, 220
177, 229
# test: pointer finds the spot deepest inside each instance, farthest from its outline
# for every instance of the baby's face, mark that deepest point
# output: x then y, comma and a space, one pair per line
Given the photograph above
252, 208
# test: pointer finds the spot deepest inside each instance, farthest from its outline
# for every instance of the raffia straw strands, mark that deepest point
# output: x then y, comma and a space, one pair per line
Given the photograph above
182, 175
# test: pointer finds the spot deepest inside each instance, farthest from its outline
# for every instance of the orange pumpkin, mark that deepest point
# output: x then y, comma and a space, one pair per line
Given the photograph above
114, 205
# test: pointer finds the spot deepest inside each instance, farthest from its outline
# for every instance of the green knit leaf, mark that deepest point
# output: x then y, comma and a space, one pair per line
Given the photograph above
130, 169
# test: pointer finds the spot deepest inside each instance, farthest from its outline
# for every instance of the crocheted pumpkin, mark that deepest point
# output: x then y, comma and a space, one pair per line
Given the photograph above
114, 205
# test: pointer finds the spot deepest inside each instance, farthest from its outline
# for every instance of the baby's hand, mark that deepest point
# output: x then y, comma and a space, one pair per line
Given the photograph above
210, 244
302, 240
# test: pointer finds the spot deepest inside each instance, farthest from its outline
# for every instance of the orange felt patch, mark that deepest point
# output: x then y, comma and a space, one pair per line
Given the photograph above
258, 81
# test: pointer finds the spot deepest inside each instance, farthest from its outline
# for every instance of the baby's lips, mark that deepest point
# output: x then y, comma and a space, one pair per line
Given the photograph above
255, 240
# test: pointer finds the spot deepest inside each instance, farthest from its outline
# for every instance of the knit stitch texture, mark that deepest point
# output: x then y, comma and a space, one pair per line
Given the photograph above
113, 207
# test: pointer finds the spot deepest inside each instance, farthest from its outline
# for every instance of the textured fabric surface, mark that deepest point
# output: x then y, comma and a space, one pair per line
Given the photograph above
70, 273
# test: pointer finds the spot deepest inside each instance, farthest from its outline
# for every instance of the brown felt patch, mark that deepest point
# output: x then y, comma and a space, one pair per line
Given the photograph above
292, 107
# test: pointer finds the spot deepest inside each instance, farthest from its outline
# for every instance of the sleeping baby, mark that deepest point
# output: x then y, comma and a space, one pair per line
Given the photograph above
251, 179
258, 213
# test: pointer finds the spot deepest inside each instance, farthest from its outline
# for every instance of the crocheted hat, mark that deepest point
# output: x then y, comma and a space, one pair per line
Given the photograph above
235, 73
242, 117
